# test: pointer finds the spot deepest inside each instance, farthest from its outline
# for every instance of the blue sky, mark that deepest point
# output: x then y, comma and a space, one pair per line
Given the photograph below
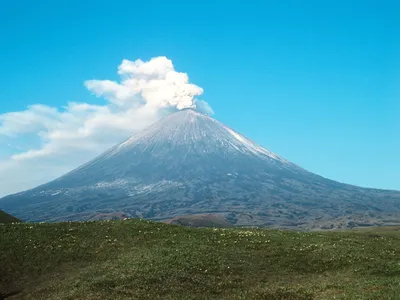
317, 82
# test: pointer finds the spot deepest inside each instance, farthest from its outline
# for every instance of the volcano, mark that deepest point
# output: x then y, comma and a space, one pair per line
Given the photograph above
189, 163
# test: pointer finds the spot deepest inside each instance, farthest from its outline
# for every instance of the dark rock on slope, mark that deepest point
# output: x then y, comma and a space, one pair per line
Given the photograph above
6, 218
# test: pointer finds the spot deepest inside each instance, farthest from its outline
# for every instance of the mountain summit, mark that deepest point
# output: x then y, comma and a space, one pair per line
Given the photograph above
189, 163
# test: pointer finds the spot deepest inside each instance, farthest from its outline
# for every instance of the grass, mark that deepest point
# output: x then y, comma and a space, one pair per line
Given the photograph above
6, 218
137, 259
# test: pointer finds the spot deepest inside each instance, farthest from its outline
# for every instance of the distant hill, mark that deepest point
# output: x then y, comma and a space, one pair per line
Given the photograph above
202, 220
138, 259
6, 218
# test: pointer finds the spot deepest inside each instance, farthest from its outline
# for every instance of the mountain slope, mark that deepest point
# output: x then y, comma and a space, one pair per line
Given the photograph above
189, 163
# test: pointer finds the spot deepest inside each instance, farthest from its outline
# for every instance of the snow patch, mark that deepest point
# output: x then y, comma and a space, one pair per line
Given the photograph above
252, 147
154, 187
236, 136
115, 183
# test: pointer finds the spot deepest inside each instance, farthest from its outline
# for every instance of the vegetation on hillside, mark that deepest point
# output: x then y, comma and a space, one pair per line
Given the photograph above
137, 259
6, 218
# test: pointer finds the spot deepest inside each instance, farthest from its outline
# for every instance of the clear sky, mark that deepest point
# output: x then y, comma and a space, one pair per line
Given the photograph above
317, 82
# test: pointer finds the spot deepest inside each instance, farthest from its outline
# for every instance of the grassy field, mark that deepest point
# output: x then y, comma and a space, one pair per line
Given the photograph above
136, 259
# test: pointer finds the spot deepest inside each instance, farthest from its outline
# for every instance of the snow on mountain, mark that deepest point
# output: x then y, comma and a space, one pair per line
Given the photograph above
190, 163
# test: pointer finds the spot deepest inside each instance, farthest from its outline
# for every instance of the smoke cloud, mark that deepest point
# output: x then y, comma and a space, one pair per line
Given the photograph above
154, 83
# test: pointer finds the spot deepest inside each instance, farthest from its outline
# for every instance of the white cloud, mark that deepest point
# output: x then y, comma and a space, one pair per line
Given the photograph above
35, 118
71, 135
